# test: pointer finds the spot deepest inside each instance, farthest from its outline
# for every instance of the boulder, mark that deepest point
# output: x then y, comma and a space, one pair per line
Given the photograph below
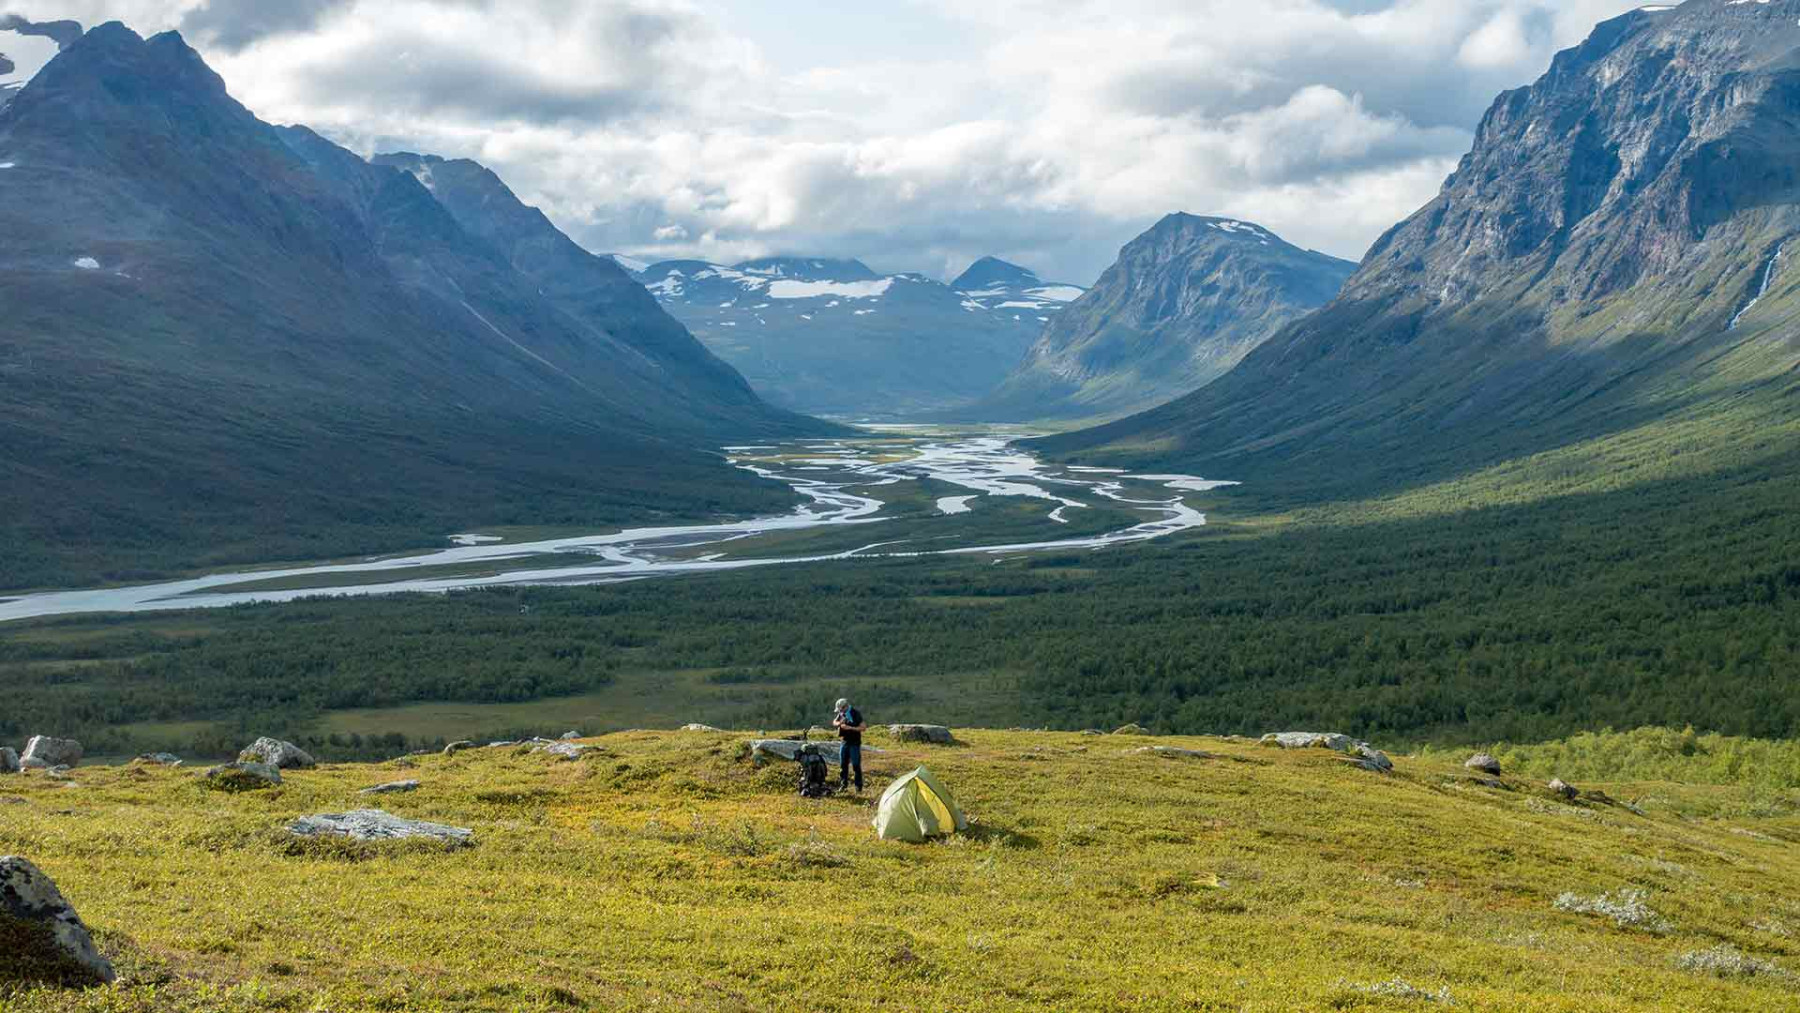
278, 754
1092, 731
566, 750
391, 788
700, 728
43, 751
376, 825
243, 776
9, 760
1566, 790
787, 749
1131, 729
160, 759
456, 747
921, 733
69, 955
1371, 759
571, 736
1483, 762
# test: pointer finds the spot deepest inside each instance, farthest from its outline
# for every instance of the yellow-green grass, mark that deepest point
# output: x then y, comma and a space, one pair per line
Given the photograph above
665, 871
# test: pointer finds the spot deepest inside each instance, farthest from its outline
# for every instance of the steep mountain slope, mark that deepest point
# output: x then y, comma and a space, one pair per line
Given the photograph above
1185, 302
832, 336
227, 342
1611, 254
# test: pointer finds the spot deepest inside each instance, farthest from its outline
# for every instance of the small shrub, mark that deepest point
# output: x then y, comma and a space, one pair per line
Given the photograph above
1626, 908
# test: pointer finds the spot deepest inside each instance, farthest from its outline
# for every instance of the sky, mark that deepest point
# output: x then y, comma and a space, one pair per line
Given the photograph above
917, 135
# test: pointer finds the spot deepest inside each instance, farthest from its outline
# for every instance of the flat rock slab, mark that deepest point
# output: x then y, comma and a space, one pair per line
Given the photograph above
566, 750
921, 733
160, 759
391, 788
278, 754
1361, 753
376, 825
43, 751
27, 895
700, 728
1178, 754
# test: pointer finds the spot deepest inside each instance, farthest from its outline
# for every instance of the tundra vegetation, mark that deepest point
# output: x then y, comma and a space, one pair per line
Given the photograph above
664, 870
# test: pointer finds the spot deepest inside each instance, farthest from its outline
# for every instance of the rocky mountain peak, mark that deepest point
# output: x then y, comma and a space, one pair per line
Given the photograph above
994, 273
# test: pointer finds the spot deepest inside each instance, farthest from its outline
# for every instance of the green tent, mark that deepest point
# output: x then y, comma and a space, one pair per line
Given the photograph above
916, 807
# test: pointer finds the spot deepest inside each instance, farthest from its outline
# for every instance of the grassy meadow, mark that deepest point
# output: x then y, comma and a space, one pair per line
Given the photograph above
666, 871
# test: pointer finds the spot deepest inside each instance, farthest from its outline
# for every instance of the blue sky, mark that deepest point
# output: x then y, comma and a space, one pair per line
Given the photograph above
915, 134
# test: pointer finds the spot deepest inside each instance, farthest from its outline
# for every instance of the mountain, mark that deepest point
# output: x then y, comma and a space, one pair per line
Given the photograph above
1185, 302
229, 342
831, 336
1612, 255
1000, 286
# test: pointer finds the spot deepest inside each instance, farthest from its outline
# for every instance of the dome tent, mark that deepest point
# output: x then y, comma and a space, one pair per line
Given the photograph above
917, 807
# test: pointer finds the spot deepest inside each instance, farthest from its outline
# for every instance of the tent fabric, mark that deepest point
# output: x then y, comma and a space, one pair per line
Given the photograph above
917, 807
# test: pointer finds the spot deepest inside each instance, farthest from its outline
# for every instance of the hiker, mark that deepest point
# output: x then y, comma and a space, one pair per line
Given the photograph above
849, 723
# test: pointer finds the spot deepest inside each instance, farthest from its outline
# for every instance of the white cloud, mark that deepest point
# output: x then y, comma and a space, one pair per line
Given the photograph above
1058, 130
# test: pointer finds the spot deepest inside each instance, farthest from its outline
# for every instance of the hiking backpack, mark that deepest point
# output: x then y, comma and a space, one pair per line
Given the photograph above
815, 774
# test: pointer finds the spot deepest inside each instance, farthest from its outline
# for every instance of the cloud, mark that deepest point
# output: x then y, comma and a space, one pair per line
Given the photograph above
1045, 131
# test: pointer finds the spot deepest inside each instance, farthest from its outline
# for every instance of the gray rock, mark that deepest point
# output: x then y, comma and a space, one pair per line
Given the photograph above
1174, 753
59, 773
571, 736
376, 825
1371, 759
1131, 729
1311, 740
1566, 790
1092, 731
456, 747
160, 759
243, 776
502, 745
700, 728
566, 750
43, 751
391, 788
921, 733
27, 895
1483, 762
9, 760
278, 754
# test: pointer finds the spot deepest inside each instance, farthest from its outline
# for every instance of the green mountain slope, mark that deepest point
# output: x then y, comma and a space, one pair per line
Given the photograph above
1610, 253
1185, 302
227, 343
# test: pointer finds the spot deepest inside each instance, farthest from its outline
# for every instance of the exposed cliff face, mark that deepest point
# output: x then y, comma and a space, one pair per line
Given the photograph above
1185, 302
1591, 263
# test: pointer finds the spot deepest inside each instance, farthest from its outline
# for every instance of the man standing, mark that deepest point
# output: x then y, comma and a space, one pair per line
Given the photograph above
850, 726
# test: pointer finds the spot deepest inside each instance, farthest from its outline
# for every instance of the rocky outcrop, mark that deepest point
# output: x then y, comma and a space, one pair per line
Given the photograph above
278, 754
936, 734
1131, 729
566, 750
1566, 790
762, 750
242, 776
456, 747
377, 825
1484, 763
1179, 754
66, 952
700, 728
159, 760
1361, 753
43, 752
391, 788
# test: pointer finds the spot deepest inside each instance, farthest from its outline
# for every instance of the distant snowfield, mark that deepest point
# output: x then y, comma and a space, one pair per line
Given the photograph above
787, 288
833, 486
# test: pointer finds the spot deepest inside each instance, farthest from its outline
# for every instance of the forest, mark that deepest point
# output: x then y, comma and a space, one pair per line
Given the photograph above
1673, 603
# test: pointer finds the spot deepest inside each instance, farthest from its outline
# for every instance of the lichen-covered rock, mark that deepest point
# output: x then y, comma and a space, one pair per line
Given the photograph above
243, 776
921, 733
1483, 762
377, 825
1371, 759
9, 760
1131, 729
278, 754
571, 736
391, 788
566, 750
1566, 790
456, 747
699, 728
28, 896
43, 752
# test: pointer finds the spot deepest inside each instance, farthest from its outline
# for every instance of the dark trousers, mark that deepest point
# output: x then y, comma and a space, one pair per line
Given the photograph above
852, 757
